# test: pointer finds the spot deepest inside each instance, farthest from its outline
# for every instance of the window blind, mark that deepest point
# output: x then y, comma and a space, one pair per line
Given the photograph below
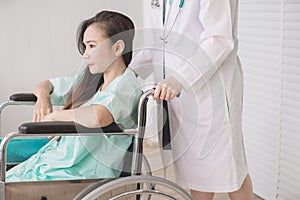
289, 165
269, 32
259, 35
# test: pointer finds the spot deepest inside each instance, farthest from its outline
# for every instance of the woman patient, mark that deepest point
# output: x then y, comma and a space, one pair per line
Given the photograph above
105, 92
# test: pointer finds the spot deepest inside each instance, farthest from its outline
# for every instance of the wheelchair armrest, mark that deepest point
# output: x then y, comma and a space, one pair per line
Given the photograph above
23, 97
65, 127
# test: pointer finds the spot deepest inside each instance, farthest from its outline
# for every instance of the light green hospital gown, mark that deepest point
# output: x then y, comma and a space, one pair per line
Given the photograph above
77, 157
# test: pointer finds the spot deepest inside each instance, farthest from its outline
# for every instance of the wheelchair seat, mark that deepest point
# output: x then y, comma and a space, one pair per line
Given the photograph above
65, 189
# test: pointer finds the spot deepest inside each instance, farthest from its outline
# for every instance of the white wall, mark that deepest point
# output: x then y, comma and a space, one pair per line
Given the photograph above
37, 40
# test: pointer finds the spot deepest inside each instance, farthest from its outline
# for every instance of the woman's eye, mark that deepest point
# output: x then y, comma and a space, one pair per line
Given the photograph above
92, 46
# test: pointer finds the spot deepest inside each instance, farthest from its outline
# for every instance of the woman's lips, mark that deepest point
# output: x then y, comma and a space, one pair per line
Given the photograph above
90, 64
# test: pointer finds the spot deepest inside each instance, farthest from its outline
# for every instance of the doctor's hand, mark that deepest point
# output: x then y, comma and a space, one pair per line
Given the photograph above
42, 107
167, 89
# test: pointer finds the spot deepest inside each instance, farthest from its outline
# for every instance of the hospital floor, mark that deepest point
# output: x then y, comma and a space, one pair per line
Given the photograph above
152, 154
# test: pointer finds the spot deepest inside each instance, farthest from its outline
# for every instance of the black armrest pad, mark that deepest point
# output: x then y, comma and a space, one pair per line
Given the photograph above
23, 97
65, 127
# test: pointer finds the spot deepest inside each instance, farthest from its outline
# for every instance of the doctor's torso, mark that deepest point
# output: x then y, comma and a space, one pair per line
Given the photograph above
187, 22
187, 32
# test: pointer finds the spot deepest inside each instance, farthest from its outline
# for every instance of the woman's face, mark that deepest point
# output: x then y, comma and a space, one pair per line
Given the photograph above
99, 52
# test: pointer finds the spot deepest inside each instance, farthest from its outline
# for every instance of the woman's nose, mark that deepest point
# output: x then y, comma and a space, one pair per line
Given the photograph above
86, 54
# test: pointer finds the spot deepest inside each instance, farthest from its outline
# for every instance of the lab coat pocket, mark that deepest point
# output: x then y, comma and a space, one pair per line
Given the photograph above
219, 118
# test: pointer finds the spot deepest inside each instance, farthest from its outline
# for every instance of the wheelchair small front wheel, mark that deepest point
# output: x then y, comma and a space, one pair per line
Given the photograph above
137, 188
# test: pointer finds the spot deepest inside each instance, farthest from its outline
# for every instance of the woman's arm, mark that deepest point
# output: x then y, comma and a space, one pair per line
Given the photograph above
92, 116
43, 105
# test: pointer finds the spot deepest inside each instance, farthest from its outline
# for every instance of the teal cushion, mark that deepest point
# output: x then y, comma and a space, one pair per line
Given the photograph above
19, 150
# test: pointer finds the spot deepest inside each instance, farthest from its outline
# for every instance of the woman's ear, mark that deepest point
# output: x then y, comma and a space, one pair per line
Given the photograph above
119, 47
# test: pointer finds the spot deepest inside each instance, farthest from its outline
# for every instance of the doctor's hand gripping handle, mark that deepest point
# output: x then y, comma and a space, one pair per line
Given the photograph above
167, 89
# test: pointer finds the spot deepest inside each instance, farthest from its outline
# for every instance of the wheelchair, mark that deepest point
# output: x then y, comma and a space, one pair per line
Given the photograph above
131, 184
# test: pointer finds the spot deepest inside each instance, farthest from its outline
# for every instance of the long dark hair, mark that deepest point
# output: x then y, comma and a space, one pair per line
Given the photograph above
115, 26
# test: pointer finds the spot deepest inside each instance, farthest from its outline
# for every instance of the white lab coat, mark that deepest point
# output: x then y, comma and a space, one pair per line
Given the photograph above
206, 126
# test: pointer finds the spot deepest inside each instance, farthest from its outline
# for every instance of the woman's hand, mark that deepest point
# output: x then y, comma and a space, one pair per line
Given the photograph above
49, 117
59, 115
43, 105
52, 117
42, 108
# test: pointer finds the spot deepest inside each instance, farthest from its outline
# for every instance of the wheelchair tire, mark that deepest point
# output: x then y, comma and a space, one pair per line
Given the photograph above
136, 188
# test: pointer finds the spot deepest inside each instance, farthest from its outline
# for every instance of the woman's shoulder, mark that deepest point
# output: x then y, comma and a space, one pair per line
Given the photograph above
127, 80
128, 75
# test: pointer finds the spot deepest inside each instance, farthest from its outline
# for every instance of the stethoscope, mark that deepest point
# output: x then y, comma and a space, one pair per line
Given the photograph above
166, 34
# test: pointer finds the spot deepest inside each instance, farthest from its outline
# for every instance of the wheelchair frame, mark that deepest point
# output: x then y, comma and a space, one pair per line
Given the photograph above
68, 189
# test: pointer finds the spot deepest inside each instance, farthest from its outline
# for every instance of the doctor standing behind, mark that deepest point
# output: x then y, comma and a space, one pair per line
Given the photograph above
196, 43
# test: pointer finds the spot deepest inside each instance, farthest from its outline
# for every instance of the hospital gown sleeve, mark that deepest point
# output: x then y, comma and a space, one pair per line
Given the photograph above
62, 88
121, 99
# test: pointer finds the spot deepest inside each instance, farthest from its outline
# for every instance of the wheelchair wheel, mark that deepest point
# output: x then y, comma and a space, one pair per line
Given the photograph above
136, 188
